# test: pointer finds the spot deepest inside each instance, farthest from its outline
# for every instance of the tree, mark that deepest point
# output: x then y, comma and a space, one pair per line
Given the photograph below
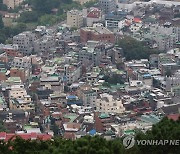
2, 37
26, 17
20, 27
3, 7
2, 128
106, 84
164, 130
48, 20
113, 79
134, 49
90, 3
1, 22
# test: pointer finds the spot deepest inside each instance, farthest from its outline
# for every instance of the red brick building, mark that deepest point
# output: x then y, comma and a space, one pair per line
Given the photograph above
19, 72
96, 33
12, 50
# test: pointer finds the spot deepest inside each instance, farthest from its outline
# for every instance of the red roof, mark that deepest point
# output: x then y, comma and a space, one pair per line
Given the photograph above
94, 13
137, 20
174, 116
26, 136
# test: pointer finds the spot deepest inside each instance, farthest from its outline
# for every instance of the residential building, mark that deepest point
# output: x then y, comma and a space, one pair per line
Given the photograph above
11, 50
82, 1
89, 96
115, 20
106, 103
72, 72
26, 136
21, 67
44, 44
90, 56
75, 18
25, 103
145, 77
93, 16
25, 42
51, 82
23, 73
11, 4
17, 91
107, 5
21, 62
97, 33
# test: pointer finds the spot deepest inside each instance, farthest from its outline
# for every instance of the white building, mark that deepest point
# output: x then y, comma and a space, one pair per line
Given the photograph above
106, 103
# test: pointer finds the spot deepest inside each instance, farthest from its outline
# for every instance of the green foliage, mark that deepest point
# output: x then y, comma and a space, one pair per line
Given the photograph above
106, 84
41, 14
65, 7
1, 22
29, 16
90, 3
7, 32
2, 129
3, 7
43, 6
48, 20
165, 130
48, 5
113, 79
134, 49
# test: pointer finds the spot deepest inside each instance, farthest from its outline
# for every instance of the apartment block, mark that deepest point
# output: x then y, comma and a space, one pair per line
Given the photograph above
90, 56
44, 44
89, 96
25, 42
72, 72
107, 5
75, 18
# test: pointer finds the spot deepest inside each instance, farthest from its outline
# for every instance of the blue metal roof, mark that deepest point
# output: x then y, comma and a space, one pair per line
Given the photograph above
92, 132
71, 97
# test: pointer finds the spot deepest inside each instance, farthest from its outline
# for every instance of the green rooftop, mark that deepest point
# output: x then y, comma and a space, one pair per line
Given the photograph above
3, 70
127, 132
14, 79
72, 117
58, 60
104, 115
